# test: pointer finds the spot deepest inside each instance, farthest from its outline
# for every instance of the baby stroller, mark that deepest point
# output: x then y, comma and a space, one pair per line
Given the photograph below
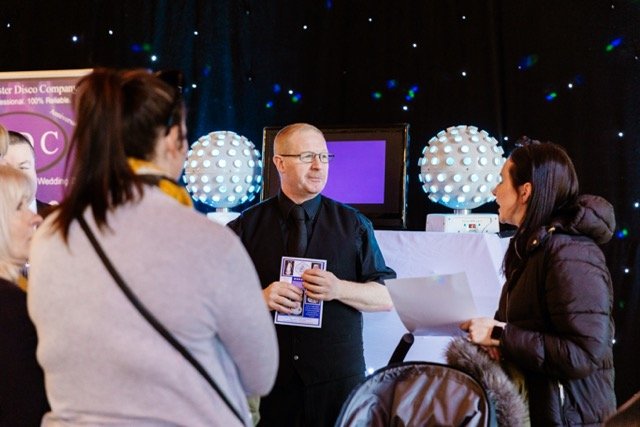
417, 394
468, 392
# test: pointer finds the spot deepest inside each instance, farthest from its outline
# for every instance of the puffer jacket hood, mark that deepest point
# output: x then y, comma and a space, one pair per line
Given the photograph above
592, 216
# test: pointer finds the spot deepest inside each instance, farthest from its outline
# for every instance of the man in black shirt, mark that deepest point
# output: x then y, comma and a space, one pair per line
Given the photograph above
318, 367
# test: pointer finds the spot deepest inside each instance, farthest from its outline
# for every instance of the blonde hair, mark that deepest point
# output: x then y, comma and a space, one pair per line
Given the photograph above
4, 141
15, 188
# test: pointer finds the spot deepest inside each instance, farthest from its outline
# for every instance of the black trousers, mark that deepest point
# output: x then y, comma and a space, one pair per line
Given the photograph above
295, 405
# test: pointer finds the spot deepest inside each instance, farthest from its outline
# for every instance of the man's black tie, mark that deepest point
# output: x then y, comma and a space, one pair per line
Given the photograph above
297, 244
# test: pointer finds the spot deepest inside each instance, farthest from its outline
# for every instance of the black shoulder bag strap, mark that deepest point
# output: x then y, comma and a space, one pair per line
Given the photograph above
151, 319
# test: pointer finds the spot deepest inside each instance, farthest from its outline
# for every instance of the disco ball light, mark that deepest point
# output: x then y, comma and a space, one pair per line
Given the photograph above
223, 170
460, 167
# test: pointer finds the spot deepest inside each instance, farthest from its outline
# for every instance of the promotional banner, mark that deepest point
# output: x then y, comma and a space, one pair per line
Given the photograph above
38, 105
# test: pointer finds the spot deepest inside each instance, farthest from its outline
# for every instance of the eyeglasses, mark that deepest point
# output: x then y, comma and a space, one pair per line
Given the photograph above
525, 141
175, 79
308, 156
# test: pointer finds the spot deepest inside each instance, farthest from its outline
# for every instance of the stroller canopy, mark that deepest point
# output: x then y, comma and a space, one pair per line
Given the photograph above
417, 394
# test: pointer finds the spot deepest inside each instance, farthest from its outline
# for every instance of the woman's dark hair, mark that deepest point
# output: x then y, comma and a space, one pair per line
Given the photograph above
119, 114
554, 189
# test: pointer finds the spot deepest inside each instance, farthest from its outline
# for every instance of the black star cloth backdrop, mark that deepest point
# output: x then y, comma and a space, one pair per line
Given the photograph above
565, 71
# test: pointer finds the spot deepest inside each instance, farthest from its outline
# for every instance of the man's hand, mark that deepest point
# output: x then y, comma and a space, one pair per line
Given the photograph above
325, 286
321, 285
282, 297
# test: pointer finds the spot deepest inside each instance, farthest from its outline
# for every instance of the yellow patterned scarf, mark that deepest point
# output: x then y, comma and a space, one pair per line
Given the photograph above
167, 185
22, 282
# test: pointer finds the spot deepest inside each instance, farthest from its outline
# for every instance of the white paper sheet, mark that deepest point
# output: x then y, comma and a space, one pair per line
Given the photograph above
433, 305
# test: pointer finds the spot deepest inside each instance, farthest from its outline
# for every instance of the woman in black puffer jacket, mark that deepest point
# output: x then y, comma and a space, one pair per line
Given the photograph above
554, 320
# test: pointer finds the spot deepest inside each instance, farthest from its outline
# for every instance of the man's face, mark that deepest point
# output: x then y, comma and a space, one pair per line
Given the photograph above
20, 156
302, 181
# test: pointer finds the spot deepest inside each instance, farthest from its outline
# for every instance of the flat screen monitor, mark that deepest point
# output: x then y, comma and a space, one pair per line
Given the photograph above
368, 171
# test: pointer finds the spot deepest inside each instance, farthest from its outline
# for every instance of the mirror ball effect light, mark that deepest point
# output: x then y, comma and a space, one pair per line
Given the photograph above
460, 167
223, 170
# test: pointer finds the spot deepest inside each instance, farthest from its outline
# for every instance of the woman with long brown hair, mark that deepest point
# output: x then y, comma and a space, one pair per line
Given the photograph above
554, 322
103, 361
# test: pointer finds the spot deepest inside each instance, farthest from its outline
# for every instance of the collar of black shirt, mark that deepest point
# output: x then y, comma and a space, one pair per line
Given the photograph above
311, 207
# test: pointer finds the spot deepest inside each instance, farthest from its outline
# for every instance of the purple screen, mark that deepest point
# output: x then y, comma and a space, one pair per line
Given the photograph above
356, 173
